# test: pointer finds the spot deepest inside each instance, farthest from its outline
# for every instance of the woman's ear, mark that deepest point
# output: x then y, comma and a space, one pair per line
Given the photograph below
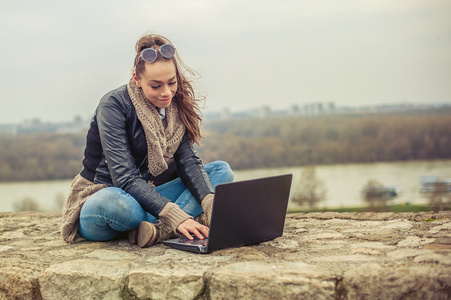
138, 83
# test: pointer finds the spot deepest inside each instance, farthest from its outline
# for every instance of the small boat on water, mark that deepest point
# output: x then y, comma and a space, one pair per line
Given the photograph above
387, 192
429, 184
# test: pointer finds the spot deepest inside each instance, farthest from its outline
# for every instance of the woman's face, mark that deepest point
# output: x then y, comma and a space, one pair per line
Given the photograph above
158, 82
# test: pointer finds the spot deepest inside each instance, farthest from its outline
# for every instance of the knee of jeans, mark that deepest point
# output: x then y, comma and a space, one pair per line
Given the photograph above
113, 201
224, 168
98, 201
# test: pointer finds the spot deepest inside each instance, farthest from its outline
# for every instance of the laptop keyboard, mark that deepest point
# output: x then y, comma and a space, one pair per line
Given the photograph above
196, 241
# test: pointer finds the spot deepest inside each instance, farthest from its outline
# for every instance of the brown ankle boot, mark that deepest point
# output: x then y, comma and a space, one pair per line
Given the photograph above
164, 232
147, 234
150, 234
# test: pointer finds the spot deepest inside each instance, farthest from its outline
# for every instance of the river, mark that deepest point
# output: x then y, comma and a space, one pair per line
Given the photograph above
343, 183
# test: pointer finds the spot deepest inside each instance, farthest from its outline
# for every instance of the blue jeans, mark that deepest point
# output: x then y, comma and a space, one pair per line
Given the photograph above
111, 210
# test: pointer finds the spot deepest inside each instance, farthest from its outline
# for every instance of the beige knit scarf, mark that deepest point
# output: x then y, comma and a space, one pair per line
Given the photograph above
162, 142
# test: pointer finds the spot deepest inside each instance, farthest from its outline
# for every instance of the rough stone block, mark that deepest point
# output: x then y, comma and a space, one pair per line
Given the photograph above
383, 216
252, 280
404, 215
167, 283
417, 281
327, 215
18, 283
363, 216
346, 215
424, 216
84, 279
297, 215
313, 215
443, 215
438, 247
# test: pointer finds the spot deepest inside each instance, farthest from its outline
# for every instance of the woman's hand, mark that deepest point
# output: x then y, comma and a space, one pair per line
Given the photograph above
190, 226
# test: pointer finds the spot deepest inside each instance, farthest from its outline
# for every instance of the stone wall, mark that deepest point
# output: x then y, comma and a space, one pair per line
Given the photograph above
320, 256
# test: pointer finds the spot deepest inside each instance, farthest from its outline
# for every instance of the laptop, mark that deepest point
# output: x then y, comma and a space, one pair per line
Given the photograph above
244, 212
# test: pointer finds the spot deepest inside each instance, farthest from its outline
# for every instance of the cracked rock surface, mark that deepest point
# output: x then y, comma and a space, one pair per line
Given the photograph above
320, 256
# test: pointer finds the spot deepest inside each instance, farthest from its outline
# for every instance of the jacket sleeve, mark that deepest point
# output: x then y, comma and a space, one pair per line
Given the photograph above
112, 122
191, 171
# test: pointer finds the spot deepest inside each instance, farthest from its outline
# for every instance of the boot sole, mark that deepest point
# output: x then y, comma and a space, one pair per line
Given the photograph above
147, 234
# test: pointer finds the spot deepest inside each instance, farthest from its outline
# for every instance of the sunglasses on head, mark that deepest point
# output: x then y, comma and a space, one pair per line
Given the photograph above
150, 55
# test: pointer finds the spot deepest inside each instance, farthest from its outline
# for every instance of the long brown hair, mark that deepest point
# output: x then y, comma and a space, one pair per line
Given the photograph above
185, 97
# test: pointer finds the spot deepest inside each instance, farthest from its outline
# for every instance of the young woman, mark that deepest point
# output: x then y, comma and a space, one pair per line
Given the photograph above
140, 172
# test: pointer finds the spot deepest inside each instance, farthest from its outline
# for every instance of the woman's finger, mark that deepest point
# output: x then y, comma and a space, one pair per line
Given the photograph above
185, 232
204, 230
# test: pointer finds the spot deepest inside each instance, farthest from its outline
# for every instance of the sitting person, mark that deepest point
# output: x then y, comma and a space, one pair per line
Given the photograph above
140, 172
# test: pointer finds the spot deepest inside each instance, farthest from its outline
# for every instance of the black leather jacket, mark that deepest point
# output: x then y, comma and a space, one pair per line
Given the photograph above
116, 155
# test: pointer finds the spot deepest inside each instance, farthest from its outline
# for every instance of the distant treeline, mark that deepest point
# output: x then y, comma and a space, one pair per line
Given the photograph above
257, 143
40, 156
248, 144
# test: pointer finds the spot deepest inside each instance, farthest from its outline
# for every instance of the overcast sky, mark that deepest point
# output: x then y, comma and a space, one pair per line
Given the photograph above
58, 58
